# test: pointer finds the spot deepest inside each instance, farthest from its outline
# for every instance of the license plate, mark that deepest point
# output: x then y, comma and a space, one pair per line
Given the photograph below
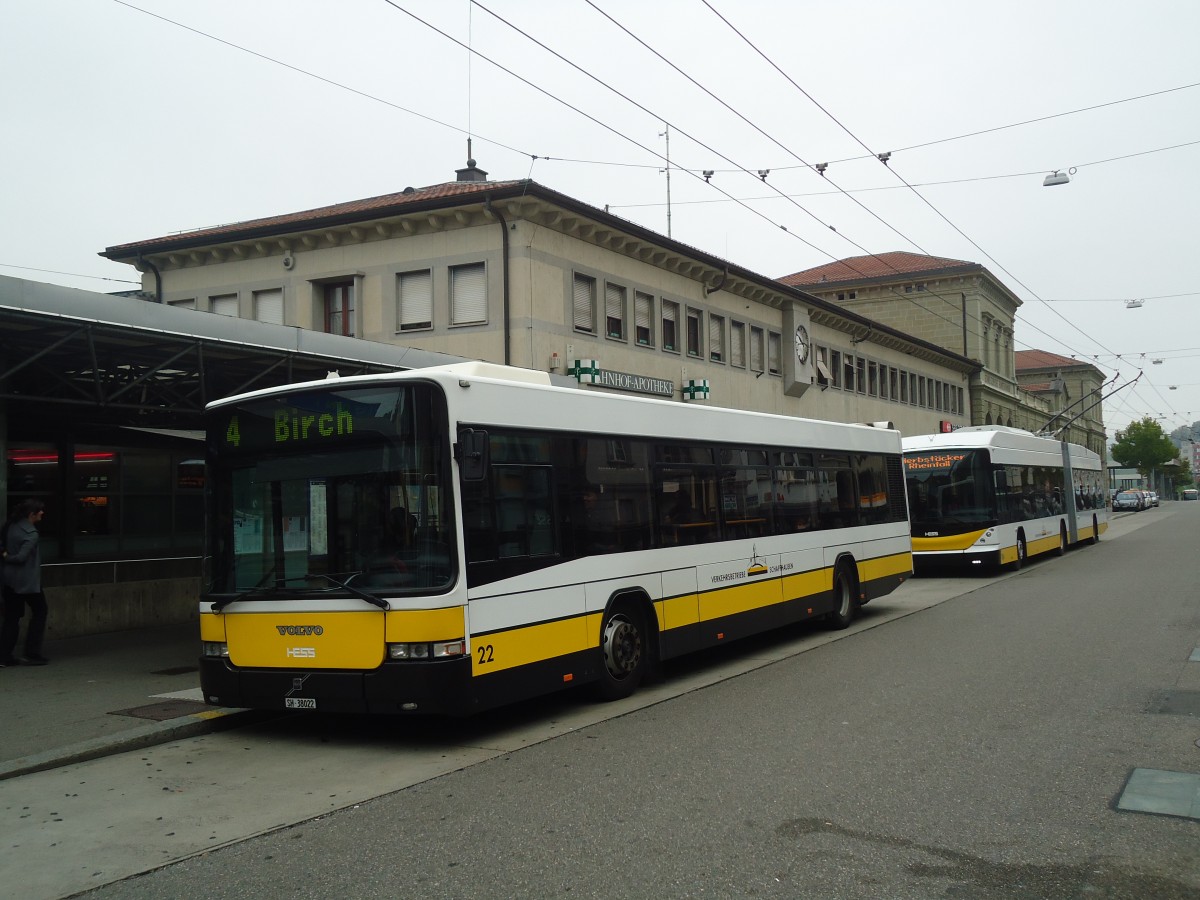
299, 703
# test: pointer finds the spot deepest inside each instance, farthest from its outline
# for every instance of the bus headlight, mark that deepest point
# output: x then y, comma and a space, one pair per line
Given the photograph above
442, 650
216, 649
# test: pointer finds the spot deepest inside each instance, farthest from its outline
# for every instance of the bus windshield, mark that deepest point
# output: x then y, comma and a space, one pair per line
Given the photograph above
331, 487
949, 491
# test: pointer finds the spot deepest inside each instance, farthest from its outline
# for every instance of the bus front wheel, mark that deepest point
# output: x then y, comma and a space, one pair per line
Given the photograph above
1021, 551
623, 645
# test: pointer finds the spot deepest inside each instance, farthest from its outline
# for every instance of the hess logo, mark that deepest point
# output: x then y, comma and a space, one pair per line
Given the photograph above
302, 652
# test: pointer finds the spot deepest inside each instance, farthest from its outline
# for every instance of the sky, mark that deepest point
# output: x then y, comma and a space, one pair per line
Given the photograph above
132, 120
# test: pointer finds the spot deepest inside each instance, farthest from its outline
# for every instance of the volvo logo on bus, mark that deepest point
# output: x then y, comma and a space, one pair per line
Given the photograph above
300, 629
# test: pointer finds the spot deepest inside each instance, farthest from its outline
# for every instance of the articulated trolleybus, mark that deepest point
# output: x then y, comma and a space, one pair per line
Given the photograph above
993, 496
450, 539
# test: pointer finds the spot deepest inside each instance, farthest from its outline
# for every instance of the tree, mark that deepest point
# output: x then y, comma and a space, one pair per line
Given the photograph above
1144, 446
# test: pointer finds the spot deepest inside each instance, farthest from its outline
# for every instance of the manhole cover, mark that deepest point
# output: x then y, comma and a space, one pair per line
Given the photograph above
163, 710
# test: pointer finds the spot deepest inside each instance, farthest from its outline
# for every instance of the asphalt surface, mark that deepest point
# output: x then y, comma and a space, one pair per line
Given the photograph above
109, 693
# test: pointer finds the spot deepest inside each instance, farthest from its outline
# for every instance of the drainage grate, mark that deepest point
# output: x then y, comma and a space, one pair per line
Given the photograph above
1162, 793
163, 710
178, 670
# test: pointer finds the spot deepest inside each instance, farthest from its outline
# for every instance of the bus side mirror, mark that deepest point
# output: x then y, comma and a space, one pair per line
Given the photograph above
471, 451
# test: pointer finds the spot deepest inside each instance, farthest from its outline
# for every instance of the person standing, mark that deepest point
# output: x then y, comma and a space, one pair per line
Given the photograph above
23, 585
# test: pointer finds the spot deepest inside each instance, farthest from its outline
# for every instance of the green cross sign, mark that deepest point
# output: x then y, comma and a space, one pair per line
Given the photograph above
585, 369
696, 390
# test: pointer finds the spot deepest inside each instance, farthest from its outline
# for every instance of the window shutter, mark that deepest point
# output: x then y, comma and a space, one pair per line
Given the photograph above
268, 306
416, 300
641, 316
226, 305
584, 301
468, 294
756, 349
716, 337
737, 345
614, 310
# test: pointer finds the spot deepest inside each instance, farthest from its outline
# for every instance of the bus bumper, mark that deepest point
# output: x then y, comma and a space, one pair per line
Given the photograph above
441, 687
973, 558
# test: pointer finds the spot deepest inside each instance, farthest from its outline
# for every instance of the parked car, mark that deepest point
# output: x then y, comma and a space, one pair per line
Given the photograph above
1127, 500
1151, 498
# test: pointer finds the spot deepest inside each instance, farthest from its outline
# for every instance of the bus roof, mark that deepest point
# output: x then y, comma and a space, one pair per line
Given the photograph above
485, 393
995, 437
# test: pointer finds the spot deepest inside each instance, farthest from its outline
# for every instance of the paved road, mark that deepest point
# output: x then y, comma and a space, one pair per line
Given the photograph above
971, 748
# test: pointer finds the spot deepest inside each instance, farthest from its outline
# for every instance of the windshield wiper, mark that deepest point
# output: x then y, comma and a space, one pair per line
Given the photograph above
259, 591
357, 592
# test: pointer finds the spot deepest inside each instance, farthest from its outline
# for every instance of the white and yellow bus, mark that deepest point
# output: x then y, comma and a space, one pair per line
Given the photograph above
993, 496
447, 540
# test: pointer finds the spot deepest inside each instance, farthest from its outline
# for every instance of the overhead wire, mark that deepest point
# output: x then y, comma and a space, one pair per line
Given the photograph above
884, 158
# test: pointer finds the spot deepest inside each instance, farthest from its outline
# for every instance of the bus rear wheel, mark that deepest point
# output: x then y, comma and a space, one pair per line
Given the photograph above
1062, 541
845, 600
623, 645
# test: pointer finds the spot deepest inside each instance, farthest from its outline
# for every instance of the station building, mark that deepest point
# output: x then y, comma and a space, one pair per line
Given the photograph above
104, 393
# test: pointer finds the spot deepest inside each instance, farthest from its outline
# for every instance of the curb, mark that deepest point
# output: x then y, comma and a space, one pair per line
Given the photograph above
207, 722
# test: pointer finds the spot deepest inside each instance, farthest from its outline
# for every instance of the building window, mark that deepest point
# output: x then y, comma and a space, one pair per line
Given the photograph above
912, 388
468, 294
670, 326
224, 305
903, 387
584, 304
268, 306
756, 349
774, 353
643, 318
414, 300
716, 338
339, 308
737, 344
189, 303
860, 372
822, 364
921, 391
614, 311
693, 332
892, 384
835, 368
848, 372
873, 379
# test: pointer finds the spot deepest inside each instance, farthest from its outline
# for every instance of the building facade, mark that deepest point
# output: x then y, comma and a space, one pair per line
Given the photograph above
1074, 390
960, 305
513, 272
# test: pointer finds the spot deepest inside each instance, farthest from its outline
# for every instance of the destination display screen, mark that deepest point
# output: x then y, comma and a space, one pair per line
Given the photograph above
309, 421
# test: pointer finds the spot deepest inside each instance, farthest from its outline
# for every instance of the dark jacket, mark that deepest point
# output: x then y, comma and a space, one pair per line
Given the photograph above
23, 565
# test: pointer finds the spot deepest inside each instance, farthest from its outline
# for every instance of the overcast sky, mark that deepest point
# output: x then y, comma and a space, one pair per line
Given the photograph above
121, 125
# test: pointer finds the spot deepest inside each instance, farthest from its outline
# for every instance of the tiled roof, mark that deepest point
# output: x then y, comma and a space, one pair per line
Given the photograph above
1044, 359
880, 265
386, 204
1038, 387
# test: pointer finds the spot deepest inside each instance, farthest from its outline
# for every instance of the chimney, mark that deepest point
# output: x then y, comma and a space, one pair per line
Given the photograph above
471, 172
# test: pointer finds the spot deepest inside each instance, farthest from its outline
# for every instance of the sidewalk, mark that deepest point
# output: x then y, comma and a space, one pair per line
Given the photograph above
104, 694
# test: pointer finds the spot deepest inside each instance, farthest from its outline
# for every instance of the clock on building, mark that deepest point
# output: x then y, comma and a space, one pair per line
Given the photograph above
801, 344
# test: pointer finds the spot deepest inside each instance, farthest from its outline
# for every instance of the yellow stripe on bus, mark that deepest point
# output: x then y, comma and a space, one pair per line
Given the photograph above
884, 567
534, 643
947, 543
